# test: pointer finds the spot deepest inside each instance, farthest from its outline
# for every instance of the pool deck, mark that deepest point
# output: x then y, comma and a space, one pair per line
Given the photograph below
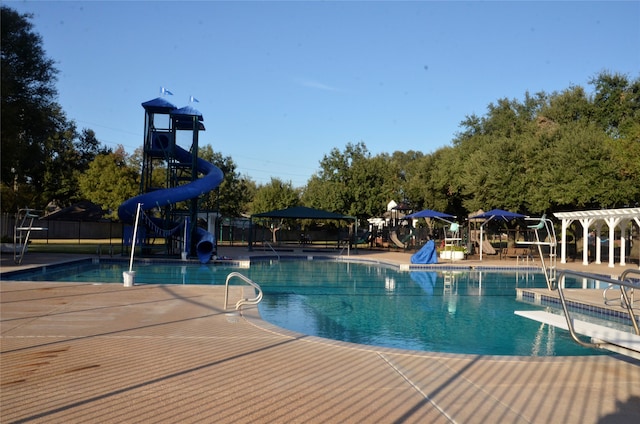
75, 352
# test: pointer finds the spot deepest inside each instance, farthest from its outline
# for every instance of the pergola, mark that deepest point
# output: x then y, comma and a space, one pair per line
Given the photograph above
612, 218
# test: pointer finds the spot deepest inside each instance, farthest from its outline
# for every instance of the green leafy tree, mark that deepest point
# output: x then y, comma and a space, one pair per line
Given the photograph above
36, 138
351, 182
60, 165
88, 147
274, 195
616, 105
234, 194
109, 181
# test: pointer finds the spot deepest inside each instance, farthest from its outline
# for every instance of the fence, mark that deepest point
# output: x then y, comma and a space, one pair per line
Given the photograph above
63, 230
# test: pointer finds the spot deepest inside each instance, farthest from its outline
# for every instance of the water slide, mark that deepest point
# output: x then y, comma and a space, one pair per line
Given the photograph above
426, 255
212, 177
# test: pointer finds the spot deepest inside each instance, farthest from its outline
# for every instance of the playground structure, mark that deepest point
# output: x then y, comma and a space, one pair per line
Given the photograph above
172, 212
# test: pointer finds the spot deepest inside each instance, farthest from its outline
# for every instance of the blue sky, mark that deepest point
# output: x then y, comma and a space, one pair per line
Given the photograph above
280, 84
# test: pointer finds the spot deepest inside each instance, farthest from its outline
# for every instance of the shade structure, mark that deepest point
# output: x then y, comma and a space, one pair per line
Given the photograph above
428, 213
499, 213
81, 211
495, 214
301, 212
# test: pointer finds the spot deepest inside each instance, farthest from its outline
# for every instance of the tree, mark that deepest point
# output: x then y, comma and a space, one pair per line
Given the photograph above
109, 181
88, 147
274, 195
616, 105
351, 182
233, 195
34, 129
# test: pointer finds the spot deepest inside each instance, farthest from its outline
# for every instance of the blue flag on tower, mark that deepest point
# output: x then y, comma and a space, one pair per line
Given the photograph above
164, 91
194, 100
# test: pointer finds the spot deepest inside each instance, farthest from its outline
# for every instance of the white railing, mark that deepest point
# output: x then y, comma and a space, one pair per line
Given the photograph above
243, 301
271, 247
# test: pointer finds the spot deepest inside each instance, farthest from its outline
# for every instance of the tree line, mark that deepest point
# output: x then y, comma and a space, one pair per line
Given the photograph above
548, 152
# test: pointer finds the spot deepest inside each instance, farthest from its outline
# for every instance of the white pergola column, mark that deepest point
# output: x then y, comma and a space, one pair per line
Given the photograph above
598, 242
623, 242
585, 239
563, 248
612, 223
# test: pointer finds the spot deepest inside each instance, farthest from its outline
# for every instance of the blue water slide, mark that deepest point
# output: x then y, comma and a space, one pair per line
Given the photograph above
426, 255
212, 177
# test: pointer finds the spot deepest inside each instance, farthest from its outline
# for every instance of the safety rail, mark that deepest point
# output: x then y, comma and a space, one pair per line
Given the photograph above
623, 283
243, 301
347, 245
623, 276
272, 249
550, 269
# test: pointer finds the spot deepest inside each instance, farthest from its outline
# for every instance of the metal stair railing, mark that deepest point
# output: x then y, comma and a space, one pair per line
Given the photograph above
623, 300
623, 283
271, 247
243, 301
550, 269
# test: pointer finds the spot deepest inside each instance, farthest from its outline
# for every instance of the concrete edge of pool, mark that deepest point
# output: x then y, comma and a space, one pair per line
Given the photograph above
87, 352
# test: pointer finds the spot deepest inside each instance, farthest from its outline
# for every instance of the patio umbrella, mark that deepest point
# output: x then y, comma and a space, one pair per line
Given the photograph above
428, 213
495, 214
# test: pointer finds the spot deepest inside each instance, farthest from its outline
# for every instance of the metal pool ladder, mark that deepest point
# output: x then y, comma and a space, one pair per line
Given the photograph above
243, 301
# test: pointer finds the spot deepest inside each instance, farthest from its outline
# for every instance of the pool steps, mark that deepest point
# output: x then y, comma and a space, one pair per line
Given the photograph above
623, 342
607, 338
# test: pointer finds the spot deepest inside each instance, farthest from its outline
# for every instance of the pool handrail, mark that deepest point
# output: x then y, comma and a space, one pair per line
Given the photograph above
243, 301
271, 247
622, 282
623, 299
551, 270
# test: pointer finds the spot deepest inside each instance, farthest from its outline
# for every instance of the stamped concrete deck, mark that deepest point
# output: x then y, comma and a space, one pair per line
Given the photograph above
107, 353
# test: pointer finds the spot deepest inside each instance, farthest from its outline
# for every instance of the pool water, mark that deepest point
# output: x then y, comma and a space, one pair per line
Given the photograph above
470, 311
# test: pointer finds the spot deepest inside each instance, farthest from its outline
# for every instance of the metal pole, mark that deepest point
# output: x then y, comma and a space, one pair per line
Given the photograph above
135, 234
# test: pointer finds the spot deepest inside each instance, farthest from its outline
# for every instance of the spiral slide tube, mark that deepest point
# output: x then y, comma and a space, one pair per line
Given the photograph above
212, 178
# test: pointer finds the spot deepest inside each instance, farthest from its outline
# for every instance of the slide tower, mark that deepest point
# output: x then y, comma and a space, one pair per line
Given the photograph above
171, 207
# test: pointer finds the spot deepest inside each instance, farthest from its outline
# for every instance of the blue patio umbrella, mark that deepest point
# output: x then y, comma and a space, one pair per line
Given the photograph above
495, 214
428, 213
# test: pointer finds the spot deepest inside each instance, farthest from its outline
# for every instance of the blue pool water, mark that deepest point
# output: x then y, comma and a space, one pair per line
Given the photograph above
466, 311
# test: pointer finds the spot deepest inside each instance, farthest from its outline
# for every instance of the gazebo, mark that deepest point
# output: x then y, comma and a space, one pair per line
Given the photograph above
612, 218
301, 212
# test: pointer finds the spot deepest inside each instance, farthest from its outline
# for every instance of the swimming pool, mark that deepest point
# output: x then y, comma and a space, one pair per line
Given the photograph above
457, 311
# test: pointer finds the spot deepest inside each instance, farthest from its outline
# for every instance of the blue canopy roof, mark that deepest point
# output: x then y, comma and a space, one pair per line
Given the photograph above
499, 213
159, 105
428, 213
187, 111
184, 118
